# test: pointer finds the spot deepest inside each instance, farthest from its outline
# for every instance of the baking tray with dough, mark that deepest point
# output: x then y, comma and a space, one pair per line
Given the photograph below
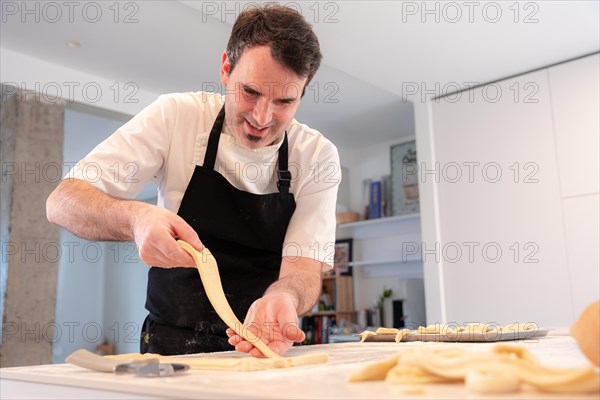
447, 333
460, 336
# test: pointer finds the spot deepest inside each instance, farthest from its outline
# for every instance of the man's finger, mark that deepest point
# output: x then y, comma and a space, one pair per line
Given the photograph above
186, 233
245, 347
235, 339
254, 352
293, 333
171, 254
288, 322
181, 260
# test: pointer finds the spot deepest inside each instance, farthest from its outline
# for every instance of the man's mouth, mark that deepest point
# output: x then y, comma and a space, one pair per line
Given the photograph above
253, 130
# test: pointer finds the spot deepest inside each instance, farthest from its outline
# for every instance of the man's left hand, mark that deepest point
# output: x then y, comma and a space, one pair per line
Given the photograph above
274, 320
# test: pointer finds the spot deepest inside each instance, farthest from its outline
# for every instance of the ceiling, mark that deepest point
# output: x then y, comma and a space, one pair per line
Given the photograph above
380, 57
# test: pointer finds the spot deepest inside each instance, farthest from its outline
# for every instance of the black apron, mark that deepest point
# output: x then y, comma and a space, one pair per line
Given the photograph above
244, 232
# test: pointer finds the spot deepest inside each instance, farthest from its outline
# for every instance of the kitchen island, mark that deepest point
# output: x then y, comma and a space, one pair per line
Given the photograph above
322, 381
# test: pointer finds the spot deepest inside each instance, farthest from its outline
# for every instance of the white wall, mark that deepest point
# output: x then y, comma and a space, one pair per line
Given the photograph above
50, 79
125, 281
101, 295
433, 274
540, 131
80, 295
101, 285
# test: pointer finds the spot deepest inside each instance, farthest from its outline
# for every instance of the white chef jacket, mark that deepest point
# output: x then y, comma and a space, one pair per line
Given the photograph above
165, 141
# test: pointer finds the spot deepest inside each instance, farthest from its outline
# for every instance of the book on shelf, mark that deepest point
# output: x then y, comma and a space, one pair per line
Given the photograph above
375, 200
317, 328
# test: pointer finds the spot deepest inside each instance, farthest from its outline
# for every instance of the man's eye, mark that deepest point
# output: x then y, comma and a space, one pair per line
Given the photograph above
251, 93
284, 102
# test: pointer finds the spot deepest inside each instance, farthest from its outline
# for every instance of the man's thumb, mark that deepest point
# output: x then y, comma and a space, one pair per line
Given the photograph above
189, 235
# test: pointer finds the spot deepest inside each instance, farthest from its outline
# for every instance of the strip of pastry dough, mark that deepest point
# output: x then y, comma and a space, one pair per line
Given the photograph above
400, 335
242, 364
484, 381
386, 331
209, 273
376, 371
502, 369
364, 335
507, 360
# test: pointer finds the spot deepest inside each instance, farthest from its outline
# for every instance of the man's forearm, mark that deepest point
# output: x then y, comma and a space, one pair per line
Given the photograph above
90, 213
302, 278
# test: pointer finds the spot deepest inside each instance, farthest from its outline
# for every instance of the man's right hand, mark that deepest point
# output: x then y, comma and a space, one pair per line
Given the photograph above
155, 230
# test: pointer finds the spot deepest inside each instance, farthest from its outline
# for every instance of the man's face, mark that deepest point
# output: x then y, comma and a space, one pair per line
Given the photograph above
262, 97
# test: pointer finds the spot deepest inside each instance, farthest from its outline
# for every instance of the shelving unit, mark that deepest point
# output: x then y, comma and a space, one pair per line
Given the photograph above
383, 248
383, 262
372, 243
341, 290
320, 314
378, 221
387, 250
317, 324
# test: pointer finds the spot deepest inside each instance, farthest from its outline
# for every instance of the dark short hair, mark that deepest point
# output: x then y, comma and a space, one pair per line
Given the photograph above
292, 40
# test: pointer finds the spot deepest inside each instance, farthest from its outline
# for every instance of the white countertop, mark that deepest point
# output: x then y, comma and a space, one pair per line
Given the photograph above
322, 381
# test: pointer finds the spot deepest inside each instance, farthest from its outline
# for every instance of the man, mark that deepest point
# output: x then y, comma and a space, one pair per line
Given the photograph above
235, 173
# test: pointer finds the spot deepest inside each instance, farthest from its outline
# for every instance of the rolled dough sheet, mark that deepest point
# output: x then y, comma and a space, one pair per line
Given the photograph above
242, 364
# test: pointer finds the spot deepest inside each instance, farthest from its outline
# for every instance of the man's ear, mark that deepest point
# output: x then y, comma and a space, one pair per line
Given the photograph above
225, 68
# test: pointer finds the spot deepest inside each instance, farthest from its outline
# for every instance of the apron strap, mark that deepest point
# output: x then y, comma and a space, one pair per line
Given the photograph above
213, 140
283, 174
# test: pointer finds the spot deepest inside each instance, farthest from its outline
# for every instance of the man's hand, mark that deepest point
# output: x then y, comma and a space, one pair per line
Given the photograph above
155, 230
274, 317
274, 320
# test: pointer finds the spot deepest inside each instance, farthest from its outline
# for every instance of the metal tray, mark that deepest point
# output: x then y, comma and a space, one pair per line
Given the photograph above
462, 336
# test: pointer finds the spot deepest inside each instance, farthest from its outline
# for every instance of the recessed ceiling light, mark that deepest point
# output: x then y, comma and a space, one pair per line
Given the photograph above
73, 44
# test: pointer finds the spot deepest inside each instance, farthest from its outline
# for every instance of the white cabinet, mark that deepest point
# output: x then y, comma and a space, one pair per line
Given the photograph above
575, 103
582, 224
575, 99
514, 205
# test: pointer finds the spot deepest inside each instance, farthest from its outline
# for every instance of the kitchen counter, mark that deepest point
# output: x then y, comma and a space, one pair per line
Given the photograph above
321, 381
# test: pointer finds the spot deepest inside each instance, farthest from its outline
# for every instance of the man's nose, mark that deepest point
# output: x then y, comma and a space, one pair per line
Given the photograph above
263, 111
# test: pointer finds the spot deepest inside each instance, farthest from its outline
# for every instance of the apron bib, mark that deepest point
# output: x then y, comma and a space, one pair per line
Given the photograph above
245, 234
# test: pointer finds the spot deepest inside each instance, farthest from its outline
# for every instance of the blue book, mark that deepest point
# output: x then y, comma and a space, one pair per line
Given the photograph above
375, 200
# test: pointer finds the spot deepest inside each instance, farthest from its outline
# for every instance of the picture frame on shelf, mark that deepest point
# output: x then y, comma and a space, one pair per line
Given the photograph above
405, 178
343, 257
